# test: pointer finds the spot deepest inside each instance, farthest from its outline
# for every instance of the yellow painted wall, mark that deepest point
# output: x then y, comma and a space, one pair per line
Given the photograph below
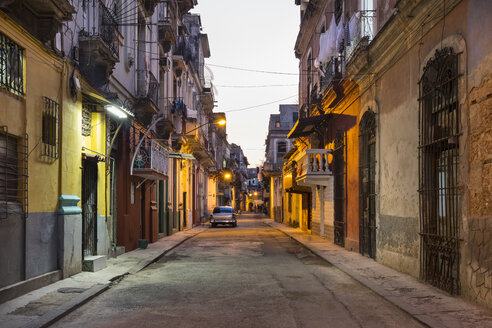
23, 114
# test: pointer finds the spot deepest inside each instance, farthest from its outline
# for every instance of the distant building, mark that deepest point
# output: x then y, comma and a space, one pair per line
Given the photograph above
277, 145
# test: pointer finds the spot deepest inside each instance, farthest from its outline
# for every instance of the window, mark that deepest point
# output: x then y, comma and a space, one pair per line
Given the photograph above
439, 132
50, 128
87, 110
277, 124
13, 174
282, 147
11, 66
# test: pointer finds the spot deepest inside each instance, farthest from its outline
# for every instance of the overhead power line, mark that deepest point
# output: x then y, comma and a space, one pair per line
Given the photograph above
257, 106
252, 70
256, 86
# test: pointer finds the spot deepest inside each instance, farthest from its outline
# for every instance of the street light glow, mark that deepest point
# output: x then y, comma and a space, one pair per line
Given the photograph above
116, 111
256, 193
221, 122
227, 175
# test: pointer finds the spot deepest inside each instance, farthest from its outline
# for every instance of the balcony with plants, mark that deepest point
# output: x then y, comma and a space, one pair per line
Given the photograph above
151, 160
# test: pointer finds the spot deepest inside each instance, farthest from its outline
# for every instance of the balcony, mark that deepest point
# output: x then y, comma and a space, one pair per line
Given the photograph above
149, 6
165, 126
361, 31
146, 105
186, 5
152, 161
314, 169
167, 31
178, 107
42, 18
272, 169
332, 72
199, 146
98, 43
182, 54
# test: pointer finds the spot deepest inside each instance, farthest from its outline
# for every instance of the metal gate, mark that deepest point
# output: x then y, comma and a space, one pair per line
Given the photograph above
89, 207
439, 131
367, 185
339, 181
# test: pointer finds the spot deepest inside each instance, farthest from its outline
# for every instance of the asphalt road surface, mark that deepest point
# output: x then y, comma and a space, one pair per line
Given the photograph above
249, 276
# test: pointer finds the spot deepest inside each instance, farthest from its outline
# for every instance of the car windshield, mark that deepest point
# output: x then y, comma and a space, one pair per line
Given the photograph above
222, 210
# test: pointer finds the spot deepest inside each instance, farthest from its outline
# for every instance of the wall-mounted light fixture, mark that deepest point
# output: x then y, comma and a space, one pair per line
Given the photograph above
118, 111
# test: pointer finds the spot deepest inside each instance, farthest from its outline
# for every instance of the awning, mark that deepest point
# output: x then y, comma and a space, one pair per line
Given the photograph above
180, 155
334, 122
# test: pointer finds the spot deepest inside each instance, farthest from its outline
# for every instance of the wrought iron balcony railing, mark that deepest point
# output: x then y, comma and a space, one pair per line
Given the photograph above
361, 31
333, 71
151, 158
100, 23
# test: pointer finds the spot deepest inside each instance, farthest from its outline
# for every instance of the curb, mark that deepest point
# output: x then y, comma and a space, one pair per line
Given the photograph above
56, 314
51, 317
402, 305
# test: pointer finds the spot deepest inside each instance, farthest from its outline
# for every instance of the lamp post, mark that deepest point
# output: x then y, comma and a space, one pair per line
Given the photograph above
220, 122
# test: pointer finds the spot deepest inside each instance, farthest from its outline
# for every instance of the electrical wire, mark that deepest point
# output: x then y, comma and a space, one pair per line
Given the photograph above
257, 106
252, 70
255, 86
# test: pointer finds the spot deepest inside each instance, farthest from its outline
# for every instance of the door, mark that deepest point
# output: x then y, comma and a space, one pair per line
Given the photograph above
89, 207
367, 191
306, 211
185, 210
339, 183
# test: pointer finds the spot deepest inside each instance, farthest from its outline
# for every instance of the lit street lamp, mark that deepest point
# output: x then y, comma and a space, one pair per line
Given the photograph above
220, 122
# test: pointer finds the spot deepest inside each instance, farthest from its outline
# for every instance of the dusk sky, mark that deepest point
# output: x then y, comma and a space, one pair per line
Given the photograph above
253, 35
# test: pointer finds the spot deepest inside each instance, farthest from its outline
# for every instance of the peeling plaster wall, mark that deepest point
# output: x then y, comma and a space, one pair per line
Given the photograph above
476, 261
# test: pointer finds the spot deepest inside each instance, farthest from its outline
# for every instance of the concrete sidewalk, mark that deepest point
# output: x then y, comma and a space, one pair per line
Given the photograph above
425, 303
44, 306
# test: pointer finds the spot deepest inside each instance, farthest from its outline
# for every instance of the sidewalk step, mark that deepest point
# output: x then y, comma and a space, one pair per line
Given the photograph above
94, 263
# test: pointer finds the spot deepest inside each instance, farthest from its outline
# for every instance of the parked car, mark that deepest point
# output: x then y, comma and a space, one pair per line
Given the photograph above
223, 215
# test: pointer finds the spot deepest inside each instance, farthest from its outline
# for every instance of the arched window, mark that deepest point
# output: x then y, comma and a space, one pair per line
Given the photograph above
439, 131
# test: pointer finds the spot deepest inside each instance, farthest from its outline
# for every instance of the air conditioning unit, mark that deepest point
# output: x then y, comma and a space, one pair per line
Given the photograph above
164, 63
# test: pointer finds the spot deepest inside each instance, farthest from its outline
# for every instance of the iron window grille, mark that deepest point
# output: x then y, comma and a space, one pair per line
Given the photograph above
87, 110
13, 174
11, 65
439, 132
51, 128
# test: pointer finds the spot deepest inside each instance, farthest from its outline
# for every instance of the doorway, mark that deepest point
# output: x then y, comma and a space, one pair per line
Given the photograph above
367, 184
89, 207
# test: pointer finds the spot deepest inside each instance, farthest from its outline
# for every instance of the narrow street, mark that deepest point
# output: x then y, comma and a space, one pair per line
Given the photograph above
249, 276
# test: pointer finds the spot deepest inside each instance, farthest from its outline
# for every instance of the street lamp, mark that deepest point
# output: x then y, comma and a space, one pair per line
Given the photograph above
227, 175
220, 122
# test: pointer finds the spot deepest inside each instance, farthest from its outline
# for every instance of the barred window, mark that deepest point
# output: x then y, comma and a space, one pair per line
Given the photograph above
438, 171
13, 174
11, 65
50, 128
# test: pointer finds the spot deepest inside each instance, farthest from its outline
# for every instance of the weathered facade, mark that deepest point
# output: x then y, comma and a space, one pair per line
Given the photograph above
405, 85
113, 149
277, 146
